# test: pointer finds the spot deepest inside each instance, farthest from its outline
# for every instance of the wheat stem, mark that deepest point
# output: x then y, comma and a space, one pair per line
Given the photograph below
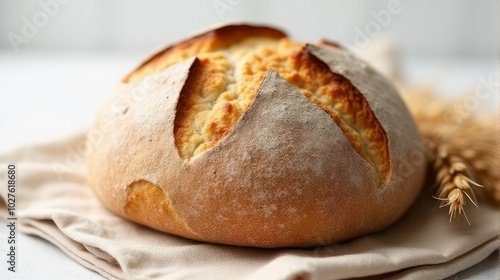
463, 155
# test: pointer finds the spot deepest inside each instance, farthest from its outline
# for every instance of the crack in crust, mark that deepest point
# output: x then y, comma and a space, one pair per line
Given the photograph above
146, 203
224, 83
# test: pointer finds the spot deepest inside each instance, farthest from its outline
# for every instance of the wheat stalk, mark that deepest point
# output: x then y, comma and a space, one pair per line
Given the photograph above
464, 155
454, 179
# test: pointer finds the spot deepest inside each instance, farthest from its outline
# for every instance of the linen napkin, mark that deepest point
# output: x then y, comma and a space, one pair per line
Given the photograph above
54, 202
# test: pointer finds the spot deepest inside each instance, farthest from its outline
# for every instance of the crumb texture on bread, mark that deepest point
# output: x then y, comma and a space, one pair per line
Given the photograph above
224, 83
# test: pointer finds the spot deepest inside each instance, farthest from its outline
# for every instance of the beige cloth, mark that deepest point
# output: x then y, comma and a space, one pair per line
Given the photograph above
55, 203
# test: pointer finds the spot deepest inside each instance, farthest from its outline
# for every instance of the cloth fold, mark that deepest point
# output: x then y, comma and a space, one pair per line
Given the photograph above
55, 203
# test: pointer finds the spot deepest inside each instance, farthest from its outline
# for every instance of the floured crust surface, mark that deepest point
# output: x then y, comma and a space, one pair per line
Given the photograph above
230, 70
257, 141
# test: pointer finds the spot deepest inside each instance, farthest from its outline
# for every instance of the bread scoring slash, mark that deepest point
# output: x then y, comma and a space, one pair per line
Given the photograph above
241, 136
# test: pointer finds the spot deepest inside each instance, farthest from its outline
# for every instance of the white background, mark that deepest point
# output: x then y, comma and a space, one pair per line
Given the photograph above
431, 27
53, 84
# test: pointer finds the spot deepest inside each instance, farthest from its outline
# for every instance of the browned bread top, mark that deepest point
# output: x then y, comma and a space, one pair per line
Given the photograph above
232, 62
242, 136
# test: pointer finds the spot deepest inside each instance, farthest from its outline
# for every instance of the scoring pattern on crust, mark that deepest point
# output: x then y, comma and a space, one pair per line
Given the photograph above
225, 80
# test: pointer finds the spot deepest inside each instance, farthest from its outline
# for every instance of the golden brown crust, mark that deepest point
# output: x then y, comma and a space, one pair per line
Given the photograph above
206, 42
225, 81
144, 198
284, 172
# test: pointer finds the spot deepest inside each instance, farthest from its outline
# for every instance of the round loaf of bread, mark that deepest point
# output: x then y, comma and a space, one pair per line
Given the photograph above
241, 136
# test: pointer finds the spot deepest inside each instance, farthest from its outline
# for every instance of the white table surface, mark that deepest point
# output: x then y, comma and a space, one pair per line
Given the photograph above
46, 95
